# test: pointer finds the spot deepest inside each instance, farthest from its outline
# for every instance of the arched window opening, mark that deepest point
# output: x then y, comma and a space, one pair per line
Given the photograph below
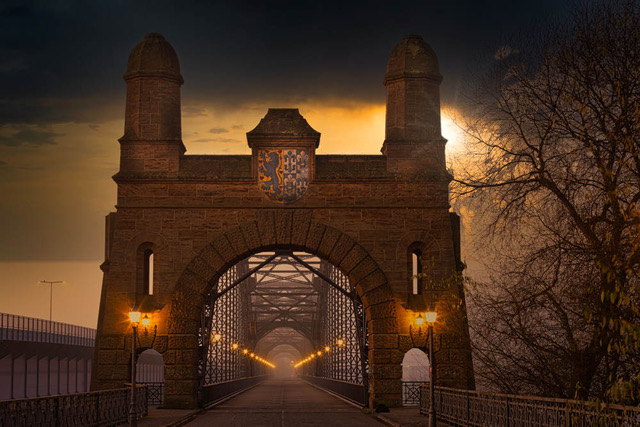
145, 272
148, 272
416, 271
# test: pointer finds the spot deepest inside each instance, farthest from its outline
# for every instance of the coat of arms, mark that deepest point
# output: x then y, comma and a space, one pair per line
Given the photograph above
283, 174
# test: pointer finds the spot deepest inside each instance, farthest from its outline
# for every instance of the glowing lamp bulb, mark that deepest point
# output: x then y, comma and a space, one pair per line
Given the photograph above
420, 320
431, 316
234, 346
245, 351
217, 337
340, 342
134, 316
319, 353
146, 320
326, 349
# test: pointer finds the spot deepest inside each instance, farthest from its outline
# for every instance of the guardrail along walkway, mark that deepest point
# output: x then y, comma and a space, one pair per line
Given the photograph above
286, 403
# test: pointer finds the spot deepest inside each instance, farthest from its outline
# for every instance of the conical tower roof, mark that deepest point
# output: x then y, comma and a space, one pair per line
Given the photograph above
413, 57
153, 56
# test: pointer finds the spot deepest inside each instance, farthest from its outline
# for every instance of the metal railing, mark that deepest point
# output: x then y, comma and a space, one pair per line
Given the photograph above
98, 408
213, 393
155, 393
21, 328
474, 408
411, 392
354, 392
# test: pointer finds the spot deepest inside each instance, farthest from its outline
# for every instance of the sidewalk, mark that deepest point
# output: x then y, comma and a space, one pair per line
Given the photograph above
396, 417
168, 417
404, 417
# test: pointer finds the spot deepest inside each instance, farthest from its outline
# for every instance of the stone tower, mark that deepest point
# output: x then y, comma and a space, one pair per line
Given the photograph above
413, 140
152, 140
182, 220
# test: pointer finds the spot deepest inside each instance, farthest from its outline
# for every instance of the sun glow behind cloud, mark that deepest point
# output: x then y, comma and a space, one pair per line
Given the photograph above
58, 192
345, 127
453, 132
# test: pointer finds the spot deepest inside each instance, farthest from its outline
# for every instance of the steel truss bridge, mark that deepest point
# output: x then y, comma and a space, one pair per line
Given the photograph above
284, 306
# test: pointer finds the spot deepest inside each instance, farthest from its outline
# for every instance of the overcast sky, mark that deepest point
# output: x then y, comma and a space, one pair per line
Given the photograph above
62, 93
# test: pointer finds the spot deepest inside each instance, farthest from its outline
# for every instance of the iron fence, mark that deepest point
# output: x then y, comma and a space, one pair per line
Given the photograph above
342, 318
21, 328
214, 393
474, 408
411, 392
350, 391
98, 408
155, 393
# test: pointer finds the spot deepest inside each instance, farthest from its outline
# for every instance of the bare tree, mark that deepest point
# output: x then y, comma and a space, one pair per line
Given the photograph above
555, 178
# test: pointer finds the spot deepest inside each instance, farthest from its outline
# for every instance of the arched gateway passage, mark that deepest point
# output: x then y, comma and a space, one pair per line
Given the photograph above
186, 227
271, 303
334, 281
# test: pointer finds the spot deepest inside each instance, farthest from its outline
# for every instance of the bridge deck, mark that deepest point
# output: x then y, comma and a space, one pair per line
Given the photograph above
285, 402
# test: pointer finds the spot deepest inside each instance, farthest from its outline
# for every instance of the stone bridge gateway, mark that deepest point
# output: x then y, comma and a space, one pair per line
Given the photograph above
182, 221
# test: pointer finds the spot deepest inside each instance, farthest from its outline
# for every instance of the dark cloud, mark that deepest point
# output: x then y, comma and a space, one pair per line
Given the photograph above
12, 65
221, 140
30, 137
18, 11
50, 111
234, 53
226, 140
218, 130
505, 51
62, 61
12, 167
192, 111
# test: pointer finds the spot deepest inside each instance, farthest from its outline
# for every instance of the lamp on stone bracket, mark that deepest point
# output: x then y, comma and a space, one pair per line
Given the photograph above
418, 331
146, 337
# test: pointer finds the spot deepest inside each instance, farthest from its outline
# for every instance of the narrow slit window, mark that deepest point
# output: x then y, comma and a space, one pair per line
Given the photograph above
416, 270
148, 272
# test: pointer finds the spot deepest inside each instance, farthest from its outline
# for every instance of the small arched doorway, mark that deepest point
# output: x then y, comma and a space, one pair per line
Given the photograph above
415, 372
150, 372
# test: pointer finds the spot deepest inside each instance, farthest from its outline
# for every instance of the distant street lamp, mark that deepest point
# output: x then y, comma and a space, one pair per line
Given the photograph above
430, 317
134, 318
51, 283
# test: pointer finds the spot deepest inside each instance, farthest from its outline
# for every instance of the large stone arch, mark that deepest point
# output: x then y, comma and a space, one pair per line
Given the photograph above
273, 229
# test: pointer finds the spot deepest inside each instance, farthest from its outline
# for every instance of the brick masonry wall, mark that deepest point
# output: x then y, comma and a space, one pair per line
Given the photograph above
202, 214
184, 218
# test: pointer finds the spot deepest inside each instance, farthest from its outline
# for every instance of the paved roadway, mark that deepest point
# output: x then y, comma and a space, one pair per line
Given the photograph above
284, 403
